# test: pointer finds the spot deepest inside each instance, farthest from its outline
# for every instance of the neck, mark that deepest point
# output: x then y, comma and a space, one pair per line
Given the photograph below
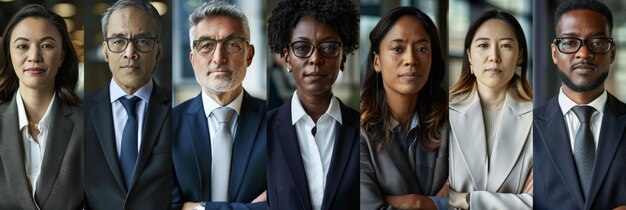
130, 89
402, 108
36, 102
491, 99
583, 97
315, 105
224, 98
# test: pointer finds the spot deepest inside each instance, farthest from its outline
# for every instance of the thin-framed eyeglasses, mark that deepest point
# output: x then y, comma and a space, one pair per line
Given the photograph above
569, 45
141, 44
302, 49
232, 45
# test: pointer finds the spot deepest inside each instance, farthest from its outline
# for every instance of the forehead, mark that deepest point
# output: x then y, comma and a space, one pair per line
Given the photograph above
219, 27
494, 29
309, 28
407, 27
582, 23
34, 27
131, 20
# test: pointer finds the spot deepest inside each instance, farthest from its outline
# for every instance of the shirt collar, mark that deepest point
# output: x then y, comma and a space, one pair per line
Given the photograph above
21, 112
567, 104
143, 93
414, 122
297, 110
209, 104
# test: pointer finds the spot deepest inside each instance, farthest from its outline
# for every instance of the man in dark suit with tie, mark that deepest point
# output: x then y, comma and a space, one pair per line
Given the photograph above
219, 145
127, 124
580, 141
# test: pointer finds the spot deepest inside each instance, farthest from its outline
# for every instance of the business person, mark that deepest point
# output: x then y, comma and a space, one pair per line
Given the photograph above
41, 121
491, 155
580, 141
128, 162
313, 138
220, 136
404, 153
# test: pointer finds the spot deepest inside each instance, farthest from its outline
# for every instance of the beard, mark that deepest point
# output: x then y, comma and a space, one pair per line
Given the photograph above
221, 84
582, 88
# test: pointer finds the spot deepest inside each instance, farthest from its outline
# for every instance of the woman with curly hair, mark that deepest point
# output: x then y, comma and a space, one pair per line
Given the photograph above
404, 157
313, 138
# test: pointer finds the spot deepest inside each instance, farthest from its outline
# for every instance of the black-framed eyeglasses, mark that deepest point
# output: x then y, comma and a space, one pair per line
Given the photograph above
302, 49
142, 44
231, 45
569, 45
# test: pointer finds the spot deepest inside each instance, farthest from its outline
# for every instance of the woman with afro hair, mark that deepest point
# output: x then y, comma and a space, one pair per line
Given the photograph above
313, 147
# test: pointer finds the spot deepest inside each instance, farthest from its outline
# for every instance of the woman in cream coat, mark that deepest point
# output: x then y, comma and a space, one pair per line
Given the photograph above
491, 119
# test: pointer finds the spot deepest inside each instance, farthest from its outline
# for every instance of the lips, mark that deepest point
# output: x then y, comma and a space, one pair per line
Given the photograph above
409, 76
35, 70
314, 76
493, 70
130, 68
584, 68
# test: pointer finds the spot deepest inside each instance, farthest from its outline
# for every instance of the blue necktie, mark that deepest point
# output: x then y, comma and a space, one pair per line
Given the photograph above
128, 157
584, 146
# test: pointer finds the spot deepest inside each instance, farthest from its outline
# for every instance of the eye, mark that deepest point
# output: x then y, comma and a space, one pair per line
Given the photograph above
422, 50
506, 45
47, 46
397, 50
21, 46
482, 45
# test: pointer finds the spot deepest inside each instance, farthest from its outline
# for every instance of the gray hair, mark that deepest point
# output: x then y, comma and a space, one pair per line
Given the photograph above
140, 4
217, 8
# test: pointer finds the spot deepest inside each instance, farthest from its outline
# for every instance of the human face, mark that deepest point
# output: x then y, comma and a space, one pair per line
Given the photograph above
494, 54
220, 71
405, 57
316, 74
131, 69
36, 50
583, 71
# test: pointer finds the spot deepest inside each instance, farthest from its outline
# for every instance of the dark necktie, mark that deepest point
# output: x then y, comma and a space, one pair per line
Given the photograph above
128, 156
223, 143
584, 146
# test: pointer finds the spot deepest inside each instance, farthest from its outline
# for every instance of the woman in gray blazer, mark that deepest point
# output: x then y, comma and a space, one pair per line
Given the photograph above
404, 157
491, 146
41, 122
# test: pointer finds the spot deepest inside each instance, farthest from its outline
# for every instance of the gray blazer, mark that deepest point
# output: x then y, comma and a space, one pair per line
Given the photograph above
511, 161
388, 172
60, 184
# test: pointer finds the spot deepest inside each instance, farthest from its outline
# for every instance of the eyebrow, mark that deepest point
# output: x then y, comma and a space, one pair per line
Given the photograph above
204, 37
402, 40
487, 39
325, 39
573, 34
141, 35
42, 39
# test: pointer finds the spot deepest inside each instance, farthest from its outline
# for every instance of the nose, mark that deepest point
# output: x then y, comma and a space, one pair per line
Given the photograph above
494, 54
34, 54
410, 57
584, 52
218, 55
131, 52
316, 57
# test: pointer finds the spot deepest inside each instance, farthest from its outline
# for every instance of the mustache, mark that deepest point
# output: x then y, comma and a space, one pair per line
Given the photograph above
583, 63
223, 68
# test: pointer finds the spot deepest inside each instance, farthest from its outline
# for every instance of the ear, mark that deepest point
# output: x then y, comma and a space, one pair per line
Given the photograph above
159, 50
250, 54
520, 57
343, 61
285, 56
105, 51
553, 48
613, 51
469, 56
377, 62
191, 57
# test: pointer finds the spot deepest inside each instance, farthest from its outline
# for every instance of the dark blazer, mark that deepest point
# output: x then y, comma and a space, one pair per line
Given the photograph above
60, 181
286, 179
556, 184
152, 179
191, 156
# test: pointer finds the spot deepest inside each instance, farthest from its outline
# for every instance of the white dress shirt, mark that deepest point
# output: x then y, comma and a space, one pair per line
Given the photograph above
119, 113
209, 105
316, 150
34, 150
572, 121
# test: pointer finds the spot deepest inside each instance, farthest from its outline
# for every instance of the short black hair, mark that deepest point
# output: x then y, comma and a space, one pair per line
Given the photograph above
341, 15
592, 5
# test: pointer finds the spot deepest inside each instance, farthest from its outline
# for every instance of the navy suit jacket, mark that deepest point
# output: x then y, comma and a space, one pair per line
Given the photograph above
286, 178
152, 179
191, 156
556, 184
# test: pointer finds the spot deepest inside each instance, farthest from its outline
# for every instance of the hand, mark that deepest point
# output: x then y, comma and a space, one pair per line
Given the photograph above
189, 205
528, 185
262, 197
457, 199
410, 201
622, 207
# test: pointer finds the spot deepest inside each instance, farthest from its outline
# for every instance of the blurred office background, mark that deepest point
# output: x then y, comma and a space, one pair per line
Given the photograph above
547, 83
71, 13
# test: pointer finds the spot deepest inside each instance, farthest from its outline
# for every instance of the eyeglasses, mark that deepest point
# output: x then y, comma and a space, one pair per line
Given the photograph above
302, 49
207, 47
143, 44
570, 45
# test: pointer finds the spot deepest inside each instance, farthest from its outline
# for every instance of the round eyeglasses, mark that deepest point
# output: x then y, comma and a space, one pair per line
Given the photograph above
302, 49
570, 45
231, 45
143, 44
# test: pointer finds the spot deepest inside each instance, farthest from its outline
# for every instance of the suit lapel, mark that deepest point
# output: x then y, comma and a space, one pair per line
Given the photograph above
611, 135
12, 151
556, 141
286, 137
103, 124
200, 142
509, 144
345, 140
155, 120
467, 121
60, 132
249, 123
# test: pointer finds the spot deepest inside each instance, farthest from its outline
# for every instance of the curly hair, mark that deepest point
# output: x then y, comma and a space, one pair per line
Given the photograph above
341, 15
432, 107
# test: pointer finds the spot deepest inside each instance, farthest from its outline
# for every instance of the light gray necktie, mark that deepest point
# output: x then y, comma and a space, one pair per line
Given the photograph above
222, 153
584, 146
